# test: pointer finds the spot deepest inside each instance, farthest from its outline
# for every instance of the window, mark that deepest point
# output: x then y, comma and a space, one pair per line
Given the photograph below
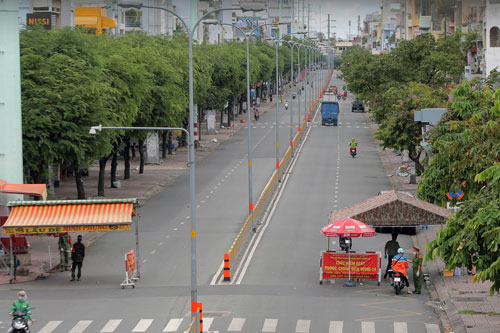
494, 37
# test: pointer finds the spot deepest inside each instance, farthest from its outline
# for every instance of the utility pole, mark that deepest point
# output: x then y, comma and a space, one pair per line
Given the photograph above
329, 54
349, 33
308, 20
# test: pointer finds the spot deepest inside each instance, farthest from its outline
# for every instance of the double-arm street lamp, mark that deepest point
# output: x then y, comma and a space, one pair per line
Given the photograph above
246, 6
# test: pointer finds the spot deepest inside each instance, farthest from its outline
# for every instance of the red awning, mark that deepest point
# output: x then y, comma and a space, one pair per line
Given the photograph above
41, 217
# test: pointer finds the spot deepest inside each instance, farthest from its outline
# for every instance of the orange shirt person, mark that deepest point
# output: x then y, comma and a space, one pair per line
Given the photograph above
400, 265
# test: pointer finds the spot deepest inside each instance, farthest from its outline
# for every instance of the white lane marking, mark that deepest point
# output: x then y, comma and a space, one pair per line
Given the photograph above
367, 327
215, 187
400, 327
270, 325
336, 327
50, 326
302, 326
161, 243
183, 222
198, 206
175, 229
218, 184
432, 328
111, 326
173, 325
153, 252
236, 325
202, 201
249, 252
211, 192
207, 322
80, 326
145, 260
142, 325
187, 217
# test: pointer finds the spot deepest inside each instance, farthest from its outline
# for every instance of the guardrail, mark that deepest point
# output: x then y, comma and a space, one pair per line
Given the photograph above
241, 238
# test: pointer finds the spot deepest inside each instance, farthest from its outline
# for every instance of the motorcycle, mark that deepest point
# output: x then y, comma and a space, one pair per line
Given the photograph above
286, 106
397, 281
344, 97
339, 97
19, 323
353, 152
256, 117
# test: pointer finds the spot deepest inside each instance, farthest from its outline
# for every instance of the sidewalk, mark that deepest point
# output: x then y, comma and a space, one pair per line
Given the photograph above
141, 186
463, 306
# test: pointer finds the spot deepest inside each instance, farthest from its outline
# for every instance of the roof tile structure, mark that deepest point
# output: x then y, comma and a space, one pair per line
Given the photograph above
393, 208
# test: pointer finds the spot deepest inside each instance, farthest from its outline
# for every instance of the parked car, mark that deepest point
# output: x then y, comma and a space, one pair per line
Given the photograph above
357, 106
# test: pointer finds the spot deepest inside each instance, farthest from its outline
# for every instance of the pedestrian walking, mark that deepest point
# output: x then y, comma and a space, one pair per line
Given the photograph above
64, 244
390, 250
417, 270
77, 255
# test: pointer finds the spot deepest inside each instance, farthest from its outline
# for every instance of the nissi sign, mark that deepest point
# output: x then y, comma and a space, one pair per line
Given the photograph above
44, 19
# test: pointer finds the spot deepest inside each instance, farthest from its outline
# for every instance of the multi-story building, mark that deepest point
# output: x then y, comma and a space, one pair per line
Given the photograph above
371, 32
392, 27
492, 35
103, 14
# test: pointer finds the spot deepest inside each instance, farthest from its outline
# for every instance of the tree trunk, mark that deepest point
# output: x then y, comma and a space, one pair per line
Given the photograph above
102, 171
164, 145
241, 106
169, 142
415, 157
141, 153
79, 184
126, 158
114, 166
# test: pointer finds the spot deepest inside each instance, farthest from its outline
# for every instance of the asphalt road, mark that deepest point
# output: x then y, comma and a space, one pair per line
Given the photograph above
280, 290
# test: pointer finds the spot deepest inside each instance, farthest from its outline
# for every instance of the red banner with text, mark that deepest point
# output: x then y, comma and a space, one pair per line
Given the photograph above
130, 262
363, 265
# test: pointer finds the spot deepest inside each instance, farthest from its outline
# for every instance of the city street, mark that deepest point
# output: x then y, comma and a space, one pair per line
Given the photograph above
280, 290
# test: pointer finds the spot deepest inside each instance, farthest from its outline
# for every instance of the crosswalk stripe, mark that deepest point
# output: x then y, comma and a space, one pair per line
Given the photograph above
236, 325
80, 326
336, 327
367, 327
50, 326
270, 325
173, 325
111, 326
302, 326
432, 328
400, 327
142, 325
207, 322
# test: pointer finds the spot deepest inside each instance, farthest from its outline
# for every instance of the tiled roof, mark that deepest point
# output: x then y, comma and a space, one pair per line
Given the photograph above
393, 208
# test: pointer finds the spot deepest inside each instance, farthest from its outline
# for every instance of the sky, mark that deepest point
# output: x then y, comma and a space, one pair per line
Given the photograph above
342, 11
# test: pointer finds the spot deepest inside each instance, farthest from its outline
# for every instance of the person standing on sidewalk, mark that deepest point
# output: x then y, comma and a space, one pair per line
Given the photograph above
64, 244
417, 271
390, 250
77, 255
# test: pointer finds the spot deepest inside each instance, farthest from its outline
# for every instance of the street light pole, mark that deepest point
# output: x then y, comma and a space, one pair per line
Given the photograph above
249, 119
192, 198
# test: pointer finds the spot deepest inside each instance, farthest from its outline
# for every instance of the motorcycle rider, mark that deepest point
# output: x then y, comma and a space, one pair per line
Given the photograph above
286, 104
256, 114
353, 144
21, 304
400, 265
339, 96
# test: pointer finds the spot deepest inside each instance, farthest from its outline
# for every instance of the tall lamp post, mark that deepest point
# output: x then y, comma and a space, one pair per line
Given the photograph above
248, 6
249, 119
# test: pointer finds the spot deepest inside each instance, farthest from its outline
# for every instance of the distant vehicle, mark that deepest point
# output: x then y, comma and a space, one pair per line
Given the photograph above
357, 106
333, 89
329, 113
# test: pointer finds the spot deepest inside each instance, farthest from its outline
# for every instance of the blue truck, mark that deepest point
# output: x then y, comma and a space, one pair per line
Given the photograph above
329, 113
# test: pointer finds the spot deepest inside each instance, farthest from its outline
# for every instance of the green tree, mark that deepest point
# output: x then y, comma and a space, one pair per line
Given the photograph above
399, 130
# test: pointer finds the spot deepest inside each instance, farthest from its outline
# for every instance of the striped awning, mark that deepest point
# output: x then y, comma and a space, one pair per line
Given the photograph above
59, 216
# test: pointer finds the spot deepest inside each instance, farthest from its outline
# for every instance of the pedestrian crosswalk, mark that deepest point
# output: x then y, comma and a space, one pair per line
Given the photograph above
236, 324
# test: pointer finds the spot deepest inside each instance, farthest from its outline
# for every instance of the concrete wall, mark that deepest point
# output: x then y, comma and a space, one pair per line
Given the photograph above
492, 54
11, 148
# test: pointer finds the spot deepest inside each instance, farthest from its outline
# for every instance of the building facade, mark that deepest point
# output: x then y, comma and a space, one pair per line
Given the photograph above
492, 35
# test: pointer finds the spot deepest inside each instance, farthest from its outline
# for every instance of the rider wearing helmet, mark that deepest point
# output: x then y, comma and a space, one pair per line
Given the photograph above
353, 144
400, 265
21, 304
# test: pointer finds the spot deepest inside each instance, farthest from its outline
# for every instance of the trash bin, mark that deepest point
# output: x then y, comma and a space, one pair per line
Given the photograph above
413, 179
